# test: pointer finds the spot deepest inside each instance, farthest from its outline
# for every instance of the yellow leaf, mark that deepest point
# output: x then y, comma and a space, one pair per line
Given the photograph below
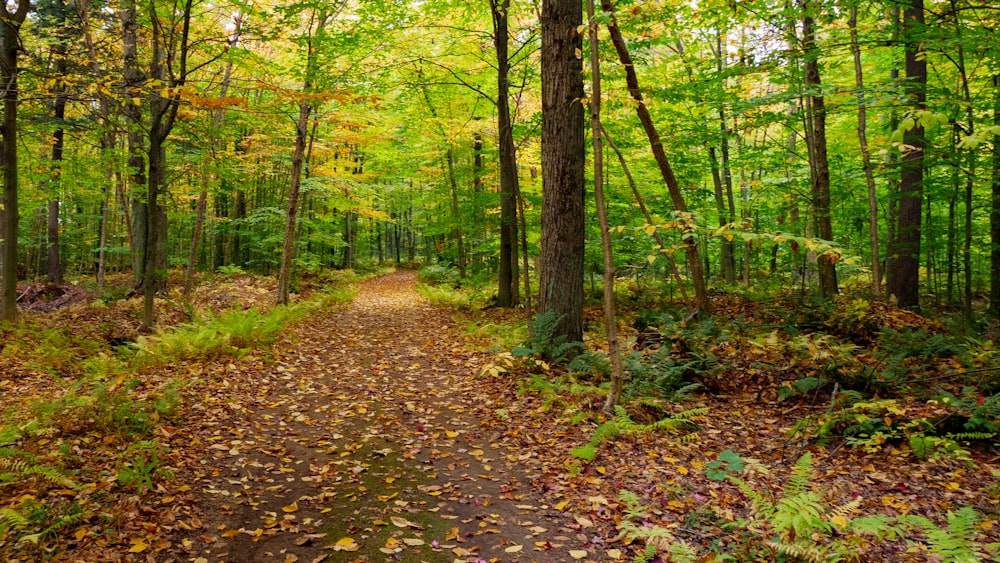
600, 469
682, 470
81, 533
451, 434
578, 553
138, 547
294, 507
513, 548
650, 229
413, 542
346, 544
614, 553
839, 521
561, 505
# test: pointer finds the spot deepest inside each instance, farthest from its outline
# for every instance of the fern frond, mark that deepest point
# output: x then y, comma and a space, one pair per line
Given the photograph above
10, 518
846, 509
51, 475
761, 504
805, 551
798, 483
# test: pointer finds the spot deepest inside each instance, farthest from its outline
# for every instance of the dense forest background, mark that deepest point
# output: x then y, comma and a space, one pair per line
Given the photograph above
853, 139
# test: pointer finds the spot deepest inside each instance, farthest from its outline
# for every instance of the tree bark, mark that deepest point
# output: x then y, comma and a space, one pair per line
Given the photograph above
995, 208
298, 156
562, 244
456, 231
9, 47
816, 137
507, 287
53, 265
904, 284
866, 159
689, 240
610, 315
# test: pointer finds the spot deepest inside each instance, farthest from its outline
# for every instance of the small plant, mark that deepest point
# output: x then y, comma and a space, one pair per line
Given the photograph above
658, 539
622, 424
545, 343
139, 466
956, 542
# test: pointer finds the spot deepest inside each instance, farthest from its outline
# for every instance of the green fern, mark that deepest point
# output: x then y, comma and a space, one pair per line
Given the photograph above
658, 540
22, 468
806, 551
955, 543
12, 519
622, 424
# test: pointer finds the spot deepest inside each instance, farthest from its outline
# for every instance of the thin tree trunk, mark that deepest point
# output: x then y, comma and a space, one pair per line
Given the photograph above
673, 186
610, 316
649, 220
995, 207
456, 231
10, 45
217, 119
507, 288
298, 155
53, 265
866, 160
722, 177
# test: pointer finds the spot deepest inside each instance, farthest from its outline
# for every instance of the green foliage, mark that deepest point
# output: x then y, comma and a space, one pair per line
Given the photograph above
659, 540
545, 343
622, 424
446, 296
139, 466
230, 334
439, 274
955, 543
15, 466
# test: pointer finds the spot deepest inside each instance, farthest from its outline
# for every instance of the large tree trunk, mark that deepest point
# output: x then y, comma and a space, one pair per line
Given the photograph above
507, 287
9, 46
562, 245
673, 186
866, 159
816, 137
904, 284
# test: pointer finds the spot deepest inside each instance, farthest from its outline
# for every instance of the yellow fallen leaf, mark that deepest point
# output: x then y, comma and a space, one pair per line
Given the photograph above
614, 553
81, 533
346, 544
138, 546
451, 434
413, 542
561, 505
600, 469
513, 548
578, 553
839, 520
477, 452
294, 507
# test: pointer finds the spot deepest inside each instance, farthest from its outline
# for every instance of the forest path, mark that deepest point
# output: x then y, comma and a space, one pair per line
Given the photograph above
363, 443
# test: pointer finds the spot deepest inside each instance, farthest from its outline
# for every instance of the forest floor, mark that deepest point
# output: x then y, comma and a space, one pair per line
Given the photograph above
372, 432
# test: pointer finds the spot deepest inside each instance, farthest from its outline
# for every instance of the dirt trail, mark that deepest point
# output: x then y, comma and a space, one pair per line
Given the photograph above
364, 443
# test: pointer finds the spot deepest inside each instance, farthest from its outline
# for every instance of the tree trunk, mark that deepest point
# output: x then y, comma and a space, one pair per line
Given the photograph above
217, 119
298, 156
689, 241
904, 284
816, 137
132, 80
610, 316
866, 160
507, 287
10, 45
995, 207
562, 245
53, 265
456, 231
722, 177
